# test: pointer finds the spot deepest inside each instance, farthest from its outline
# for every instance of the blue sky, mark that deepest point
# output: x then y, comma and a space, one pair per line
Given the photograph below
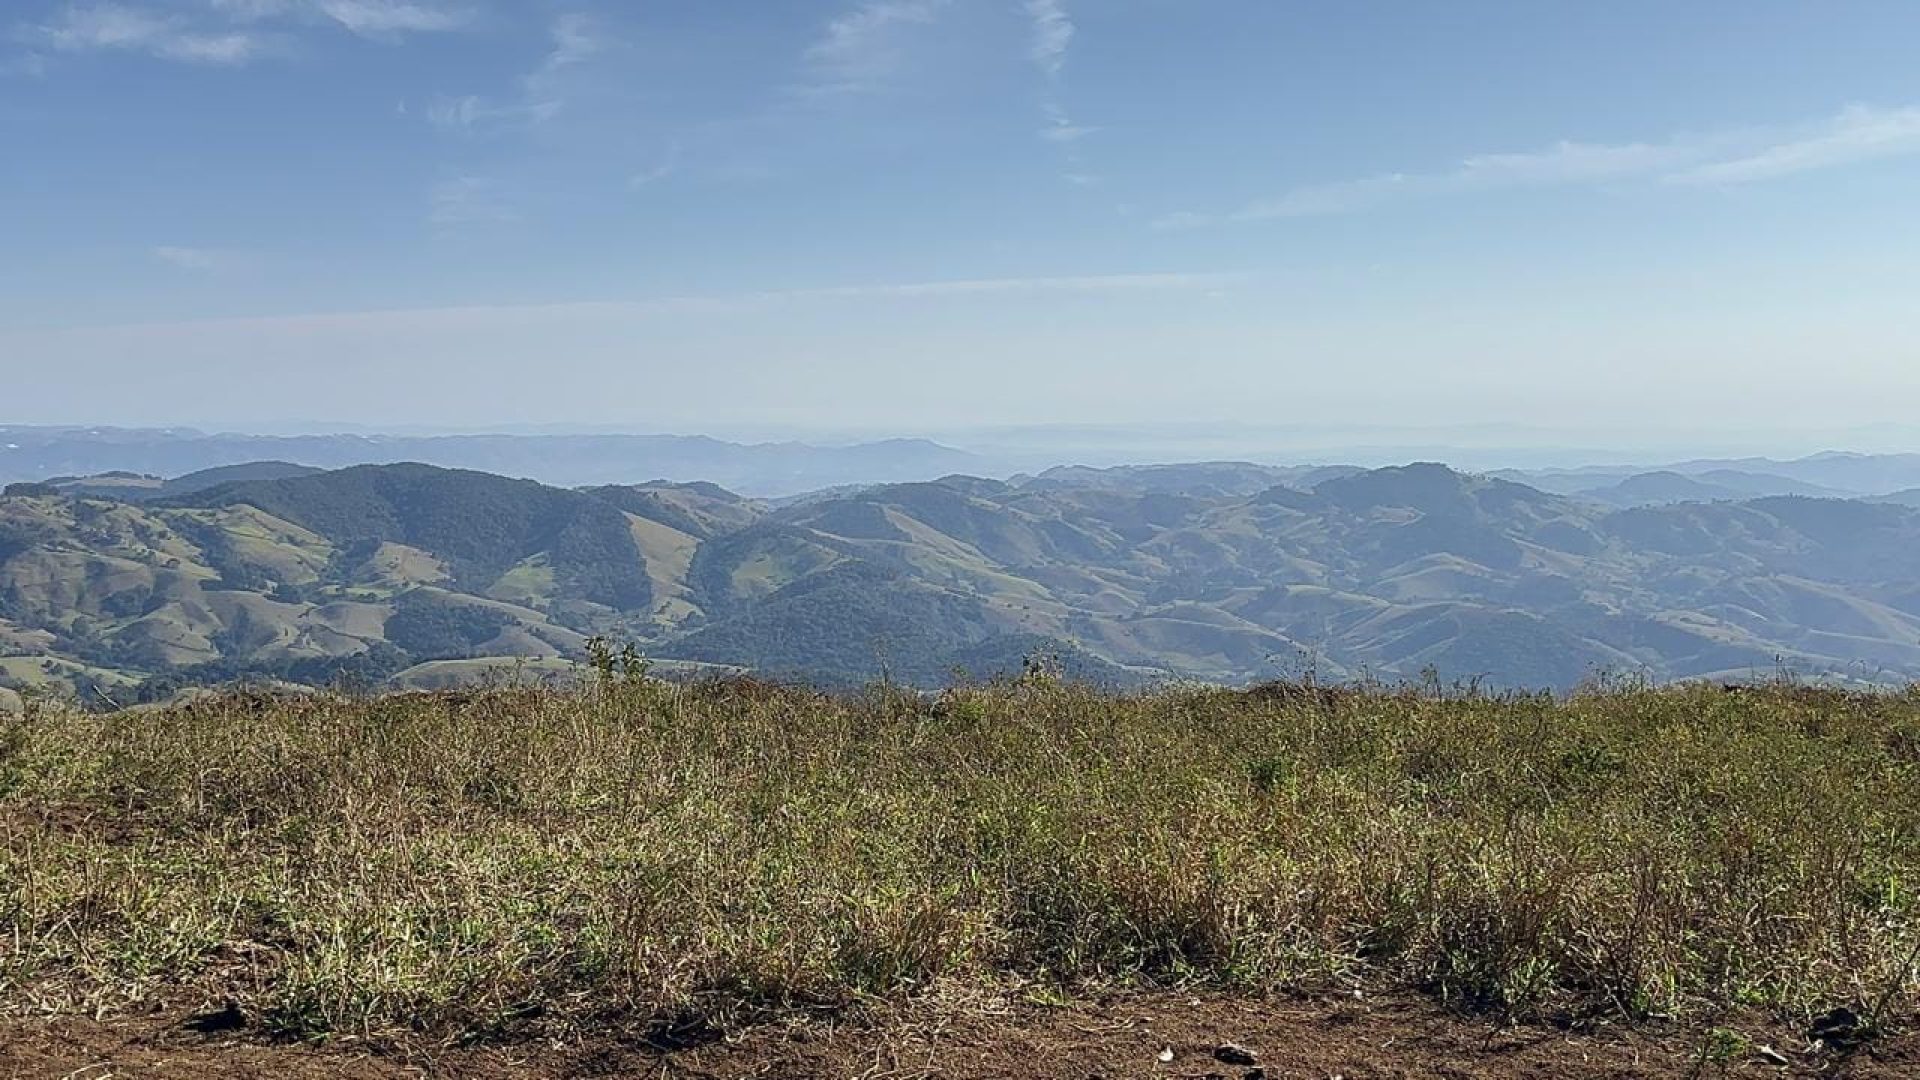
899, 215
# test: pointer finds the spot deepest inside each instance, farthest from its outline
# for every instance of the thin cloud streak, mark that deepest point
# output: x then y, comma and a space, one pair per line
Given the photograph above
1857, 134
575, 40
1065, 132
861, 48
1052, 35
714, 304
370, 18
228, 33
119, 28
366, 18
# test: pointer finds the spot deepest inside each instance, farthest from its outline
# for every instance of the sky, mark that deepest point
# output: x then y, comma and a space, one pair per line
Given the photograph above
901, 216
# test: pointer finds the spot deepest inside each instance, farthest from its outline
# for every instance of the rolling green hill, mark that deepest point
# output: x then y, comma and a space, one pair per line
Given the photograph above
484, 527
1416, 571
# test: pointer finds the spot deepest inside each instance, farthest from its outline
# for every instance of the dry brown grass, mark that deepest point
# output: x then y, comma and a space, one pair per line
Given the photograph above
650, 857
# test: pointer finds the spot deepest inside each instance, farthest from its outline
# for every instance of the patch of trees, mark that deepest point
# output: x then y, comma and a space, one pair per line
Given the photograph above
650, 505
16, 537
127, 603
359, 671
13, 603
217, 551
430, 629
847, 625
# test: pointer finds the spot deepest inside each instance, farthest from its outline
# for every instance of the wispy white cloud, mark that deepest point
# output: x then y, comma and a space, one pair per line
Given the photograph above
1052, 34
575, 39
1857, 134
372, 18
465, 111
1565, 163
862, 48
470, 113
227, 32
367, 18
110, 27
467, 200
1060, 127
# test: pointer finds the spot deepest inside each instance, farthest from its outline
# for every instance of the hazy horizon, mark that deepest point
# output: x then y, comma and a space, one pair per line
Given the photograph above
1005, 450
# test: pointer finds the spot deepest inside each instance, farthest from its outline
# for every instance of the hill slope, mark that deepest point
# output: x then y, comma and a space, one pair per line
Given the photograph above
484, 526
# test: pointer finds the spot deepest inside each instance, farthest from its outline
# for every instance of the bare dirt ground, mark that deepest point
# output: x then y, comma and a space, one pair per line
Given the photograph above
1143, 1036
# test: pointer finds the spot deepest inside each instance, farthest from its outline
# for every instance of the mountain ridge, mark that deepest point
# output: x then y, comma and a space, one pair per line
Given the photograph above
768, 468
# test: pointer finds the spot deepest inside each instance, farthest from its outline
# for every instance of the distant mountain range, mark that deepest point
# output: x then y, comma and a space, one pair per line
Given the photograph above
132, 459
143, 487
420, 575
36, 453
1835, 475
1714, 485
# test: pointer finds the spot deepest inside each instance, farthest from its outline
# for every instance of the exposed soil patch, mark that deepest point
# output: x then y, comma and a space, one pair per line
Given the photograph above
1157, 1036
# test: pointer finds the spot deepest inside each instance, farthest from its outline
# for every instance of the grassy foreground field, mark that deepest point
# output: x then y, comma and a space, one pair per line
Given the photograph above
661, 862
